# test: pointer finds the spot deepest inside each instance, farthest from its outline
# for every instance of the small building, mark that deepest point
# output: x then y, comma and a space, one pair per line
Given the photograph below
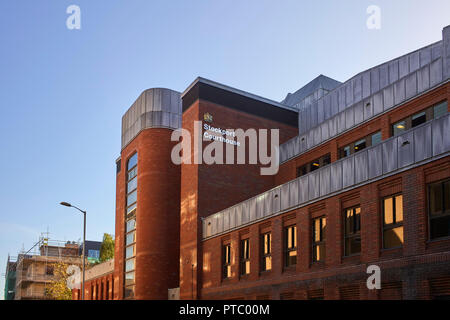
99, 283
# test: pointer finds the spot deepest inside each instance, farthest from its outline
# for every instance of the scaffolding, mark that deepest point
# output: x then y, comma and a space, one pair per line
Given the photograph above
34, 268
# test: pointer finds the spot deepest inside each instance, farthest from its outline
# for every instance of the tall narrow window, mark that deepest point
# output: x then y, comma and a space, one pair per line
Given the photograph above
130, 227
245, 256
290, 246
318, 233
393, 222
439, 209
266, 252
352, 231
226, 261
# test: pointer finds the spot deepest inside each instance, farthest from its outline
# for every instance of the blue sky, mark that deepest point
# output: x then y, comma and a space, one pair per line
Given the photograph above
63, 92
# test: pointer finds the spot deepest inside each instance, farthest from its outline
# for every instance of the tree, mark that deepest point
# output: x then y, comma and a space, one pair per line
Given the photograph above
58, 289
107, 248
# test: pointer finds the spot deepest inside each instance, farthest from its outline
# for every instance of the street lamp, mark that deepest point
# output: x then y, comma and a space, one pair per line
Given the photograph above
84, 242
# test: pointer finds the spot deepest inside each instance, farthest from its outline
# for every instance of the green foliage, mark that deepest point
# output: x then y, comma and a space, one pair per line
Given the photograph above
107, 248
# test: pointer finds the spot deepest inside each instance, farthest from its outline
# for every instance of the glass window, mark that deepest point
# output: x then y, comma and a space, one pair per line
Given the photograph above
440, 109
376, 138
131, 225
266, 252
245, 256
129, 265
346, 151
290, 246
439, 209
132, 173
129, 292
315, 165
129, 278
352, 231
94, 254
326, 160
131, 237
418, 119
131, 208
132, 184
318, 234
393, 222
226, 260
132, 161
359, 145
399, 127
132, 197
130, 251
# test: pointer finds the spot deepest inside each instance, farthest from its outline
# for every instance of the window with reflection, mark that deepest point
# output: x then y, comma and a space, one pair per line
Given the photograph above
318, 239
359, 145
352, 231
393, 222
290, 246
130, 227
439, 209
419, 118
245, 256
314, 165
226, 261
266, 251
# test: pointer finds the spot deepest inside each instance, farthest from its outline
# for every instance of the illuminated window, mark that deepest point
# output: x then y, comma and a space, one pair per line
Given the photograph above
439, 209
290, 246
314, 165
352, 231
266, 250
393, 222
226, 261
318, 239
245, 256
361, 144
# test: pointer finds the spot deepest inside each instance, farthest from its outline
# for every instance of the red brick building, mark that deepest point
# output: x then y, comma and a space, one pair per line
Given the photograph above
98, 283
364, 179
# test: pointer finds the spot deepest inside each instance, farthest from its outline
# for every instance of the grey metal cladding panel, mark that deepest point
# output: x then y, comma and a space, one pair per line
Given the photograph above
423, 79
357, 88
341, 94
308, 117
214, 225
165, 102
268, 203
393, 71
388, 94
148, 100
422, 143
399, 91
414, 63
293, 193
165, 119
317, 135
296, 143
157, 100
326, 107
290, 148
303, 142
441, 137
310, 139
245, 212
252, 209
411, 85
361, 166
175, 102
283, 152
348, 93
219, 218
320, 111
374, 80
378, 103
276, 200
405, 145
232, 217
435, 72
389, 155
260, 205
238, 214
375, 161
349, 117
341, 122
436, 51
314, 185
384, 75
324, 131
348, 172
403, 64
226, 219
425, 56
368, 109
284, 194
334, 103
366, 84
325, 179
332, 126
303, 192
314, 115
336, 176
174, 119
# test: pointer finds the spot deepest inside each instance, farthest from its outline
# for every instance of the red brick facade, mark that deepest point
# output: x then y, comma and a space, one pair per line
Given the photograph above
101, 288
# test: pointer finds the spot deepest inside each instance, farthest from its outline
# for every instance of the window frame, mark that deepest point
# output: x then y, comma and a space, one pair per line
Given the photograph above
322, 240
264, 254
446, 211
308, 167
354, 234
226, 265
287, 250
392, 225
351, 146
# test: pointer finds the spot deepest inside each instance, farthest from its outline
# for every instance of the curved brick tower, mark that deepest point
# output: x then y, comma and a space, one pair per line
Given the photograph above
148, 199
